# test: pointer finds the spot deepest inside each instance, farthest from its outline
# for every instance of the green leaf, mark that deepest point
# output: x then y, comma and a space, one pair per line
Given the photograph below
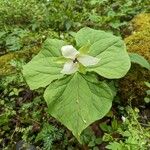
148, 92
135, 58
115, 146
147, 84
147, 100
51, 48
84, 49
86, 35
46, 66
42, 72
114, 60
105, 127
77, 102
2, 33
13, 43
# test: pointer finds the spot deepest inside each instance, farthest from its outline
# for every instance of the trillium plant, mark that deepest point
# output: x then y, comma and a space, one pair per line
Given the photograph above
75, 59
73, 93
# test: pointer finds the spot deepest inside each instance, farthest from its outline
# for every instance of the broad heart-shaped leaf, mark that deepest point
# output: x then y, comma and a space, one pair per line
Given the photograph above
114, 59
42, 72
135, 58
50, 48
85, 35
44, 67
77, 101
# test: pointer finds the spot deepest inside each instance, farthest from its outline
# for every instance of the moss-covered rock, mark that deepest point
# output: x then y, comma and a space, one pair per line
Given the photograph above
139, 41
141, 22
132, 88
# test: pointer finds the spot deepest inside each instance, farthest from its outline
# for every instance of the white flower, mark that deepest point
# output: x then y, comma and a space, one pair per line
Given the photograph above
123, 118
74, 59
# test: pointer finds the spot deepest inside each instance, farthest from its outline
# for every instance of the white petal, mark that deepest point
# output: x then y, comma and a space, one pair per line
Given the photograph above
69, 51
70, 67
87, 60
123, 118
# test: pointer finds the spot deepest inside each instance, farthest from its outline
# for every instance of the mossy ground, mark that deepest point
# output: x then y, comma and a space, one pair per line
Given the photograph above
139, 41
5, 60
132, 88
141, 22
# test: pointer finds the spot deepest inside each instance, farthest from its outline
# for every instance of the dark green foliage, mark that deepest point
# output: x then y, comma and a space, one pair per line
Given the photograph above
18, 21
15, 39
70, 14
12, 40
20, 12
24, 117
48, 135
131, 134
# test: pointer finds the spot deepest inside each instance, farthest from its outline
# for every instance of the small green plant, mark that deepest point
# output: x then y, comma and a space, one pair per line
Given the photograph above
88, 137
11, 40
19, 12
114, 15
19, 116
131, 134
74, 96
48, 135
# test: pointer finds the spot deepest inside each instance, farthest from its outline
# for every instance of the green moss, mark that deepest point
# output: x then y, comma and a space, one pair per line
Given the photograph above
141, 22
6, 67
139, 41
132, 88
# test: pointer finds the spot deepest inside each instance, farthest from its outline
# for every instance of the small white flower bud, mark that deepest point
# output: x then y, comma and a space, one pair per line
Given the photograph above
123, 118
